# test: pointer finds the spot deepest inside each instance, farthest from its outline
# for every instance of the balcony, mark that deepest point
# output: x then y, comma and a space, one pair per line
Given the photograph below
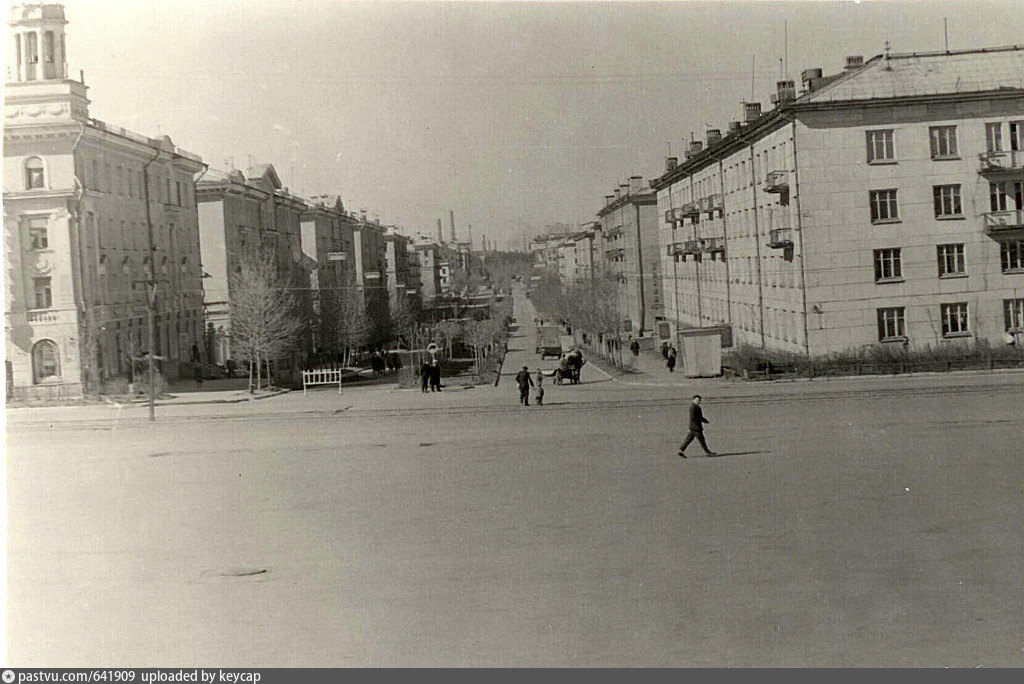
780, 238
1001, 162
711, 204
41, 316
691, 247
999, 223
690, 210
712, 245
776, 181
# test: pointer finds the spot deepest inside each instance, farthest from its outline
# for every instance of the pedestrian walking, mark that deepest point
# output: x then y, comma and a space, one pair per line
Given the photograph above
671, 356
697, 421
435, 376
199, 375
634, 347
524, 381
540, 387
424, 376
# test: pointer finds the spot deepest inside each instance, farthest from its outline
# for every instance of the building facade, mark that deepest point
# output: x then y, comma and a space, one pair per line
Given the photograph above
98, 222
327, 240
630, 244
882, 206
249, 215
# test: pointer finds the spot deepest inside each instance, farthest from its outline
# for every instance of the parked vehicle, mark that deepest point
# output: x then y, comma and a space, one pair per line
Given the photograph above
548, 343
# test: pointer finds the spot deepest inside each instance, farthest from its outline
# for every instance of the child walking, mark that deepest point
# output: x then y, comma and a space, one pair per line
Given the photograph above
540, 387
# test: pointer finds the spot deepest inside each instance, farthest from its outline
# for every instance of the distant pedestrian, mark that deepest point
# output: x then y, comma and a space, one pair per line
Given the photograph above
540, 387
424, 375
396, 361
664, 350
435, 376
671, 356
230, 366
524, 381
697, 421
634, 347
199, 375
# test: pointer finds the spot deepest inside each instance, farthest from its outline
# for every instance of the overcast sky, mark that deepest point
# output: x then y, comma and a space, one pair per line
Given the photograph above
511, 114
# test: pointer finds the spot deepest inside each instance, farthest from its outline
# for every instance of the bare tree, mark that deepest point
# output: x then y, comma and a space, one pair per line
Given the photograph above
403, 316
351, 322
263, 322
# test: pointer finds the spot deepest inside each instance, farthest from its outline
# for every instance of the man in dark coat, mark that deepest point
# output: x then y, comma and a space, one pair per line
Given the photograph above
697, 421
424, 375
525, 382
435, 375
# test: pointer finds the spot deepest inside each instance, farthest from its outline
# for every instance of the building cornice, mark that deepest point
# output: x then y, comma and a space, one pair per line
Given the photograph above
629, 198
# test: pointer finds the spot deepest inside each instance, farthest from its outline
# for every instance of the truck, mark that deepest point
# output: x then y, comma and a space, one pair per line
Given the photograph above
548, 342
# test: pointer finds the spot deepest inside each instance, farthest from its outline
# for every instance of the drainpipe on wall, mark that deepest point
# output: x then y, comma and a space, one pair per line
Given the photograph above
696, 264
800, 232
640, 264
725, 244
675, 263
757, 245
151, 291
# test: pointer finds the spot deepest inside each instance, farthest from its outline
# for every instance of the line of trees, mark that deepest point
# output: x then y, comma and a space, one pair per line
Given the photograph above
591, 307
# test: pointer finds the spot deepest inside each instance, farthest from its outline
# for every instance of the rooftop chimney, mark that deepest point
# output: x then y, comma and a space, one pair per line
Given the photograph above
810, 79
714, 136
854, 62
636, 183
624, 188
608, 199
734, 126
786, 91
618, 193
695, 147
451, 223
440, 237
751, 111
671, 163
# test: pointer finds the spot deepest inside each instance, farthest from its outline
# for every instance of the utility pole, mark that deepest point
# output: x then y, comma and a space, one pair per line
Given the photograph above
151, 292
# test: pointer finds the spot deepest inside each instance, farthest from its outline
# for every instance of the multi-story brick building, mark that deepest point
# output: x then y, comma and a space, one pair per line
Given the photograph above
882, 205
93, 214
629, 241
328, 241
243, 215
402, 268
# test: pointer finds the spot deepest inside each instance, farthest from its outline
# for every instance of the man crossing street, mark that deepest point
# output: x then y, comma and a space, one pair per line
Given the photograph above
697, 421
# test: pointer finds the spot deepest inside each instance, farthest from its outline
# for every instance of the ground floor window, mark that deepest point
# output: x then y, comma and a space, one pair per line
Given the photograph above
954, 319
1013, 314
45, 362
891, 323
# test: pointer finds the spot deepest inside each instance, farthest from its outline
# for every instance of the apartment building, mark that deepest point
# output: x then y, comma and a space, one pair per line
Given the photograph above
629, 241
245, 215
98, 221
327, 242
881, 206
402, 267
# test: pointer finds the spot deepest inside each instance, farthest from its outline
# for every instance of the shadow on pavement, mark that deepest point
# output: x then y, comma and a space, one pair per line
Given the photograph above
737, 453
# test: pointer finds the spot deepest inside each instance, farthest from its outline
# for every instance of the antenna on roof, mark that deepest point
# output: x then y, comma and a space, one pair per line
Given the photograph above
945, 32
785, 47
752, 56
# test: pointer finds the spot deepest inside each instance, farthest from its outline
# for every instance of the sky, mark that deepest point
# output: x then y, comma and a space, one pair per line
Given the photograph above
514, 115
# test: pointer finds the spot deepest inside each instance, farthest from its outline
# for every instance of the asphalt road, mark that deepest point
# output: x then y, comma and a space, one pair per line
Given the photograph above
876, 527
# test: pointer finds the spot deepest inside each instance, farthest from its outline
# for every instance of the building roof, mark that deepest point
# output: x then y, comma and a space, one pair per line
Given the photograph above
927, 73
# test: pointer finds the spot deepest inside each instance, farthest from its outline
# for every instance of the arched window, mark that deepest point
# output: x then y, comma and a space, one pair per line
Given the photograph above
35, 177
45, 361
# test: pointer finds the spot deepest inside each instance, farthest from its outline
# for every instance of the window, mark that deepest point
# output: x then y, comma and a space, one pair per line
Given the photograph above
94, 180
943, 142
177, 185
48, 46
951, 260
37, 233
1013, 315
994, 136
108, 179
125, 238
999, 193
32, 49
887, 265
130, 177
954, 319
34, 175
1017, 135
883, 206
1011, 253
43, 294
947, 201
891, 324
167, 190
45, 361
880, 146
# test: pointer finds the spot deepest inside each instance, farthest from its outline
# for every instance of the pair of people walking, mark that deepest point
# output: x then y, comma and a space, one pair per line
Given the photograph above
430, 374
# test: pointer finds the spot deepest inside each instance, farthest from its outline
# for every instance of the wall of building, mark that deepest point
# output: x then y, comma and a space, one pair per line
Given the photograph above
836, 178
